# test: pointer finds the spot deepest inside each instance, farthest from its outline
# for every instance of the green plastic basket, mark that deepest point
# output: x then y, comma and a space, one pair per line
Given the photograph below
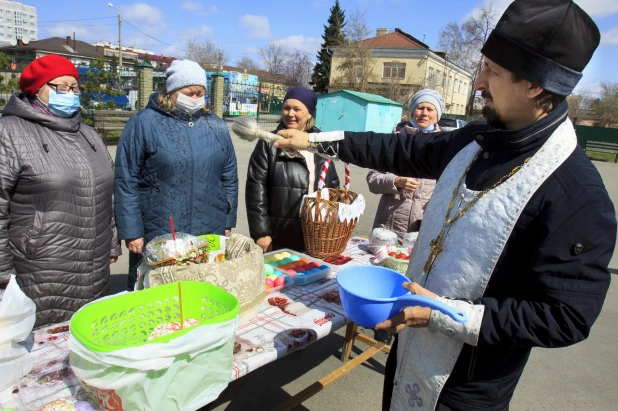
128, 320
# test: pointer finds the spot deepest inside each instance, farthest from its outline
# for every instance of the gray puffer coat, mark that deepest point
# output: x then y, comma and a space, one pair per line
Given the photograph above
57, 228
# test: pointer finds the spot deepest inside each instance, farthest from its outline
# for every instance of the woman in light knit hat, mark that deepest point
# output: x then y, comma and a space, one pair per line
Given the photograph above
403, 198
174, 159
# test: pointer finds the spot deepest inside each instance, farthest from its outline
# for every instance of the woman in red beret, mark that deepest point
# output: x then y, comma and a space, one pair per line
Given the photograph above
57, 231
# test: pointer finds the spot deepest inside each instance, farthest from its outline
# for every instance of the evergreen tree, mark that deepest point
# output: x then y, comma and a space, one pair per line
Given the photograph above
333, 36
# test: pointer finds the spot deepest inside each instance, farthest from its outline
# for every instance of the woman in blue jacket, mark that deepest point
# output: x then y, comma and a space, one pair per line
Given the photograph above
174, 159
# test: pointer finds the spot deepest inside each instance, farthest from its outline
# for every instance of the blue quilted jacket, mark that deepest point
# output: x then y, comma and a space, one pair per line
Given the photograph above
170, 164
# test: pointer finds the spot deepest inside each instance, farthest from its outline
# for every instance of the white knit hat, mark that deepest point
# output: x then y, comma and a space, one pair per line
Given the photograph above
184, 73
427, 96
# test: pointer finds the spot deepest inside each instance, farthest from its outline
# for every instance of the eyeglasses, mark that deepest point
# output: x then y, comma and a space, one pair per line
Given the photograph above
64, 89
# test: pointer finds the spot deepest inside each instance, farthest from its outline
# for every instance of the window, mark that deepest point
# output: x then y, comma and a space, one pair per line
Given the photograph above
394, 70
450, 85
432, 76
456, 84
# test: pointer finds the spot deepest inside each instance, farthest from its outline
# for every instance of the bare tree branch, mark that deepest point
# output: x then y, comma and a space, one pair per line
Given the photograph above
298, 68
208, 55
463, 43
274, 57
357, 62
606, 107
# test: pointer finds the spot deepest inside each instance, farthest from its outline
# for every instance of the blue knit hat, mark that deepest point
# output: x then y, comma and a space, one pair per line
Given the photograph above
427, 96
305, 96
184, 73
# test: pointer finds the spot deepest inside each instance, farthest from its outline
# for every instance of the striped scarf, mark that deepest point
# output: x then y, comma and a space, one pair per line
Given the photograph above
36, 103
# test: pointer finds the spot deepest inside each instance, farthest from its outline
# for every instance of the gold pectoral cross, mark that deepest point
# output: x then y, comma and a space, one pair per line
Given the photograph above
436, 249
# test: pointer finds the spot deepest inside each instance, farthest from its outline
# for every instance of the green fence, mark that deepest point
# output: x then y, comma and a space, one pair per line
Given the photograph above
601, 134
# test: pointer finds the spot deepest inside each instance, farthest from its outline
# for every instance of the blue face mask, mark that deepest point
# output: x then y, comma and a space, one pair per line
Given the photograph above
430, 128
63, 105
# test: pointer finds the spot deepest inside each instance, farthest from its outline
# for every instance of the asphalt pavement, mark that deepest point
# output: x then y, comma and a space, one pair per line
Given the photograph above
582, 376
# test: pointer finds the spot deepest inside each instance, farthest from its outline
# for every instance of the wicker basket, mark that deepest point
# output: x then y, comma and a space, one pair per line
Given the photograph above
326, 236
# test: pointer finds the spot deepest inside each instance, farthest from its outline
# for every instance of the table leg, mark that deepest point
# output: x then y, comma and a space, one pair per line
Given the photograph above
329, 379
350, 335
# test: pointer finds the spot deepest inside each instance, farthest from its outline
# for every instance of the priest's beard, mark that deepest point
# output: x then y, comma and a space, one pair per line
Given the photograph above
492, 116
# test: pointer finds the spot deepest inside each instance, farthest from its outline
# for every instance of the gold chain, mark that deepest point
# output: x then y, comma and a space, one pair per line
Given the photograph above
436, 244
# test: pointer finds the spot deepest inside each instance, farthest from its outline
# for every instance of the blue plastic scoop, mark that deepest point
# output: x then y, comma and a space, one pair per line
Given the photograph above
371, 295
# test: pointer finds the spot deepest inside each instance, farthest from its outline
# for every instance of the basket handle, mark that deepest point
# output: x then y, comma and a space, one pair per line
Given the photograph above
324, 171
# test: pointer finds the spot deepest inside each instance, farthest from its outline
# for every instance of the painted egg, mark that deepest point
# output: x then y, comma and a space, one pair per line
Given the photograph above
58, 405
270, 283
323, 267
278, 273
300, 275
314, 264
287, 279
285, 254
304, 260
291, 272
300, 270
268, 269
278, 257
279, 281
272, 277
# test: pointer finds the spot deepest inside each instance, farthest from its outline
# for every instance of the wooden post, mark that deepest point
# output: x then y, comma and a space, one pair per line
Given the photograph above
217, 95
145, 85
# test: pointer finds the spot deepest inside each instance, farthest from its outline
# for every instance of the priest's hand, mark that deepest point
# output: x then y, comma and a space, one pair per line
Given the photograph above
417, 317
296, 139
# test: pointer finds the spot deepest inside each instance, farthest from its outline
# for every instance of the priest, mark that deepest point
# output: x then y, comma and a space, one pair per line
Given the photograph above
520, 230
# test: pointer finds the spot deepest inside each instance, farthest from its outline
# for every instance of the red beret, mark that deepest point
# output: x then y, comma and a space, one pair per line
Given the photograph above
44, 69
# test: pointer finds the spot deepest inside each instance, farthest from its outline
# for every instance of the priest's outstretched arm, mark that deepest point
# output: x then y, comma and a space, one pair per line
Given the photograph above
421, 155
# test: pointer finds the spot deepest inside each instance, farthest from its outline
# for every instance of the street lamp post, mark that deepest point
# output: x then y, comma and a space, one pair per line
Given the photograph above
119, 40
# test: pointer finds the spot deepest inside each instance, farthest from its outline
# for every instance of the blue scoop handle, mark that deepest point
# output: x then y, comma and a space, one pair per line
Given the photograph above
412, 300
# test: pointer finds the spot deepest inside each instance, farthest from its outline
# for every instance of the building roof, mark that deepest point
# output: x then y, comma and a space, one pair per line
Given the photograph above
372, 98
59, 45
154, 57
396, 40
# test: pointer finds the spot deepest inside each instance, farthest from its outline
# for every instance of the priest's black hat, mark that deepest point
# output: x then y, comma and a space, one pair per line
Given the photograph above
547, 42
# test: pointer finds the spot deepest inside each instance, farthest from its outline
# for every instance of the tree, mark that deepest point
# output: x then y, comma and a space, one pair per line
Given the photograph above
274, 57
5, 61
606, 107
246, 62
333, 36
208, 55
357, 62
147, 59
97, 83
577, 104
297, 68
462, 43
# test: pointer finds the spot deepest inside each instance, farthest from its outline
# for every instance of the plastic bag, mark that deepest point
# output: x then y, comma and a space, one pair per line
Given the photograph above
185, 373
184, 250
409, 239
381, 237
17, 316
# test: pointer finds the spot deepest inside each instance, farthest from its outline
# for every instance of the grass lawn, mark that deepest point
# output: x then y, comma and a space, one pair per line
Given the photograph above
601, 156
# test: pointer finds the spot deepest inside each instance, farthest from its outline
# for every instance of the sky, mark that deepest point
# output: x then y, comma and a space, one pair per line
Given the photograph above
241, 26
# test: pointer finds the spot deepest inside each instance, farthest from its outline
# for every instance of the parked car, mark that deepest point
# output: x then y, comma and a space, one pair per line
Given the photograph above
448, 124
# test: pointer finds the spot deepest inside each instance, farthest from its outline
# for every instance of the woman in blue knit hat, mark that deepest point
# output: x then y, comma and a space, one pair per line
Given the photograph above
174, 159
277, 183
